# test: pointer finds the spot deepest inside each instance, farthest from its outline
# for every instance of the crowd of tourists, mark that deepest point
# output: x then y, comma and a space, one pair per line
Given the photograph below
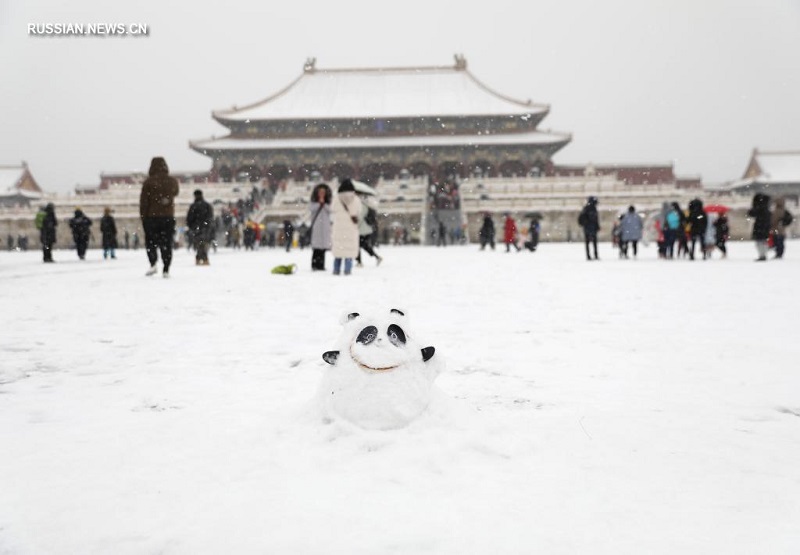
345, 223
696, 231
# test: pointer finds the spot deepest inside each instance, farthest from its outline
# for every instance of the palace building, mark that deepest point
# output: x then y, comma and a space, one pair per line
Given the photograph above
373, 123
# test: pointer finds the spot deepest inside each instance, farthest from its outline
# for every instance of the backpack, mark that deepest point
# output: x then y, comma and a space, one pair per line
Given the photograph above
787, 218
39, 220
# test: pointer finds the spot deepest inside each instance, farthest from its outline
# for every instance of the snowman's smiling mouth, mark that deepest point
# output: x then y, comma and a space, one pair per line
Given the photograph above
367, 367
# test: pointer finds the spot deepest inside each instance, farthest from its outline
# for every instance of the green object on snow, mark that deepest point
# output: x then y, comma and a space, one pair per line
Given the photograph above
285, 269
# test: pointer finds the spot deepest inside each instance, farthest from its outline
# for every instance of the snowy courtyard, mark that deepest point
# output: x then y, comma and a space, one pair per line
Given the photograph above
620, 406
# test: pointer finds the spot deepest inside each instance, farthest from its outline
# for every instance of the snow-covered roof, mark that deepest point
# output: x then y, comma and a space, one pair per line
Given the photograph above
228, 143
382, 93
10, 177
778, 167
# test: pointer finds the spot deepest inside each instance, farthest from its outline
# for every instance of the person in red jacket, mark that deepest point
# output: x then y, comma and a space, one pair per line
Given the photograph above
510, 233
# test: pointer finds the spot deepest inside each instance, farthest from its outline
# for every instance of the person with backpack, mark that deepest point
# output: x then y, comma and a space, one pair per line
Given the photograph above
590, 222
47, 231
346, 209
80, 226
781, 219
108, 228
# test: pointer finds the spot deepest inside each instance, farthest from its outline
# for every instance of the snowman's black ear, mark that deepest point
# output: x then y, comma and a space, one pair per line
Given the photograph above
427, 353
330, 357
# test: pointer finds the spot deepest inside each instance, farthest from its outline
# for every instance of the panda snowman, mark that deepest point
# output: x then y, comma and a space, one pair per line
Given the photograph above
379, 377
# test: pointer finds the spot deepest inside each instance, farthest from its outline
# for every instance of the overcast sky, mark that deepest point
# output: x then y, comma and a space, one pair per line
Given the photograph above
696, 83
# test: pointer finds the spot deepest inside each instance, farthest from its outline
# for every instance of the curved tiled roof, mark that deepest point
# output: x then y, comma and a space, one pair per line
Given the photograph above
382, 93
231, 143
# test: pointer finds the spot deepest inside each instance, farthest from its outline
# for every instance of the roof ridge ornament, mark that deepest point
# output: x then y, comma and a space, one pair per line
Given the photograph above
310, 66
461, 62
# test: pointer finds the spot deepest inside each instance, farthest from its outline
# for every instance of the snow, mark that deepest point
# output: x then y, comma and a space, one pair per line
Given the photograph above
10, 177
779, 167
606, 407
382, 93
532, 137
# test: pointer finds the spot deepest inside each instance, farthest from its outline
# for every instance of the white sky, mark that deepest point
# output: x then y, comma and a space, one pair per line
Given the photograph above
697, 83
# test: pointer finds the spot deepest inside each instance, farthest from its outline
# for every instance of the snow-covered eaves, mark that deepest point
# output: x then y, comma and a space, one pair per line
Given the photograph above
382, 93
532, 138
778, 167
11, 177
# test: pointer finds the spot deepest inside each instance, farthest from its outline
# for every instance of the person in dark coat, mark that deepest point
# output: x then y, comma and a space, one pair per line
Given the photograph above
80, 226
47, 234
157, 210
486, 233
590, 222
288, 234
698, 224
780, 219
534, 231
761, 224
721, 232
200, 220
108, 227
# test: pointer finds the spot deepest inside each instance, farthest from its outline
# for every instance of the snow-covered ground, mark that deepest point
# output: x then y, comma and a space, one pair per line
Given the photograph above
611, 407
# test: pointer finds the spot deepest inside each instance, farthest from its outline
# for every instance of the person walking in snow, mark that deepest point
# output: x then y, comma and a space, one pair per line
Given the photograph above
761, 224
698, 223
108, 229
486, 233
780, 219
320, 228
534, 233
589, 220
630, 231
288, 234
157, 210
80, 226
346, 208
47, 234
366, 230
510, 233
200, 221
721, 231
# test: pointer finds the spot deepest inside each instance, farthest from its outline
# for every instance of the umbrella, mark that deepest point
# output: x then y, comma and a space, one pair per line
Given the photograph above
363, 188
534, 216
715, 209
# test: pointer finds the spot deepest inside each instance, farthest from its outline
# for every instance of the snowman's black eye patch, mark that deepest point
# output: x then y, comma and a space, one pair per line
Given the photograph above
367, 335
396, 335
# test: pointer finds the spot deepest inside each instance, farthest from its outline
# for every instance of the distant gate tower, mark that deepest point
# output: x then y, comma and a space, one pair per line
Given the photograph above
376, 122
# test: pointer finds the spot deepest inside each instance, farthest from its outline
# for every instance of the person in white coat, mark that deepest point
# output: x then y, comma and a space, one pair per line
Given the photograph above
346, 208
320, 230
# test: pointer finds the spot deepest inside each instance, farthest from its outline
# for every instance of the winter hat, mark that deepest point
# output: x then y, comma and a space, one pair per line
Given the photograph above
346, 185
198, 194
